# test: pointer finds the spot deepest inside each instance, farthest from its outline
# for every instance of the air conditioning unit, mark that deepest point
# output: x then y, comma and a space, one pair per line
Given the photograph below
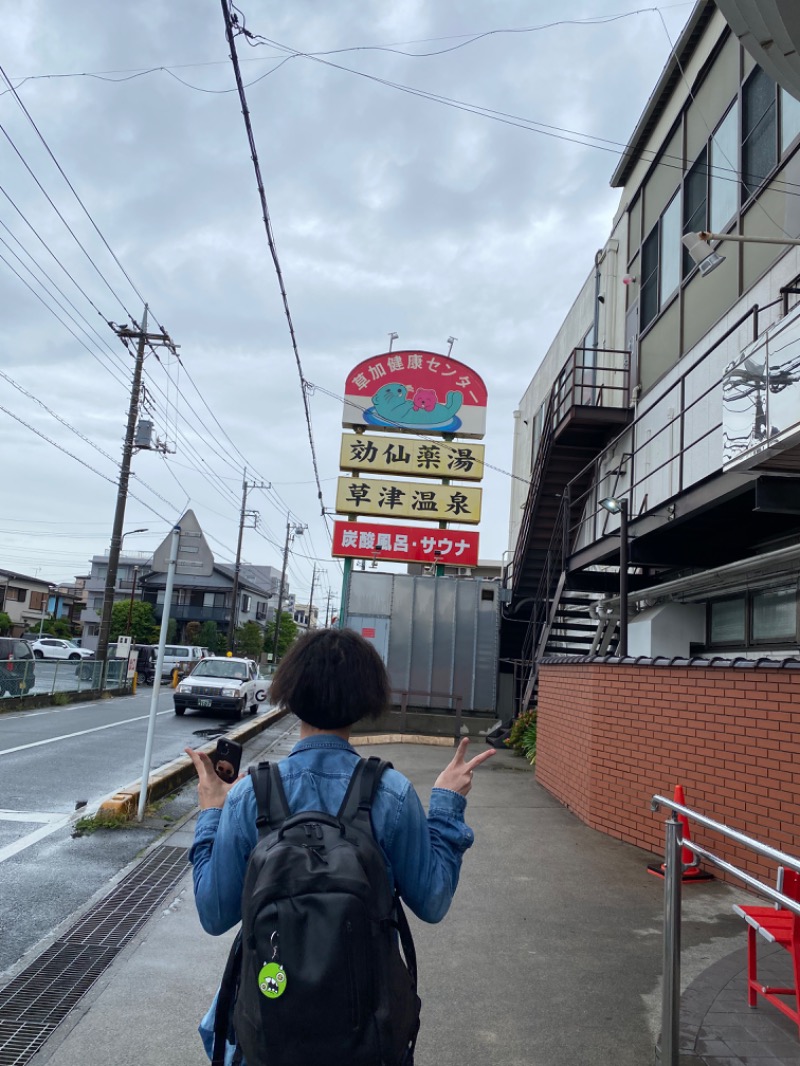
464, 571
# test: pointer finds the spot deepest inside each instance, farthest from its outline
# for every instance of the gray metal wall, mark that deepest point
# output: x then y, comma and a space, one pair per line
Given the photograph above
435, 634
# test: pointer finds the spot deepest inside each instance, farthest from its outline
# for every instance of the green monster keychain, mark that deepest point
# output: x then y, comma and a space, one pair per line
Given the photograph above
272, 976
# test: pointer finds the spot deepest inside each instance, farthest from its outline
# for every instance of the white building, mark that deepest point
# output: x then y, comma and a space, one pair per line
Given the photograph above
674, 389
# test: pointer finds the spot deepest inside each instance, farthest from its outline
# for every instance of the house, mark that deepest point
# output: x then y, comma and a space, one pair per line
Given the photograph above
667, 409
131, 566
301, 616
25, 600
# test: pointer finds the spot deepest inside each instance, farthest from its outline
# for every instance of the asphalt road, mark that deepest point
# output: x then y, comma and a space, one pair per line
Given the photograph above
50, 760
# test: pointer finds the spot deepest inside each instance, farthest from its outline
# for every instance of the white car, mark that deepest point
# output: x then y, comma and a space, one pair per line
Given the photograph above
55, 648
223, 684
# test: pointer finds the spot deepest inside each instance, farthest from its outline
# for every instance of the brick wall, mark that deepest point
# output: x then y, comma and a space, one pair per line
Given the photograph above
610, 736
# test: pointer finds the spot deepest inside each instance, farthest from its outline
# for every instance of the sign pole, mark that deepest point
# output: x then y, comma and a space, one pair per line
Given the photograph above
346, 568
162, 640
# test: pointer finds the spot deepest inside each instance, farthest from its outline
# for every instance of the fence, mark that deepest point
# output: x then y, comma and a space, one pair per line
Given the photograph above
41, 677
673, 870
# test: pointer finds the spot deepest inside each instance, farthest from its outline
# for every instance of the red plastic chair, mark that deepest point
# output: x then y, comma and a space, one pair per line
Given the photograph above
779, 926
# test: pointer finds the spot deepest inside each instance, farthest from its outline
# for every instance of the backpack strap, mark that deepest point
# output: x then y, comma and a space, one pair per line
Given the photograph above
362, 789
273, 810
226, 997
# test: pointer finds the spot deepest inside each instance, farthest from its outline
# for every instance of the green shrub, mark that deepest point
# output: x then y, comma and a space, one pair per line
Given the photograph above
529, 742
521, 724
60, 699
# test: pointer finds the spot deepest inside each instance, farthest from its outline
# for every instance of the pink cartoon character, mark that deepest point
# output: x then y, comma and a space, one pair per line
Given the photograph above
425, 400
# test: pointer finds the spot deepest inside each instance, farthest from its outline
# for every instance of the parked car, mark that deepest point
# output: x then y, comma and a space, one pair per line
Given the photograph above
222, 684
175, 654
17, 670
56, 648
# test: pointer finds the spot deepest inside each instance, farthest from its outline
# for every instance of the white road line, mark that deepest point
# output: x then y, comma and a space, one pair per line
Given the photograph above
32, 838
81, 733
29, 816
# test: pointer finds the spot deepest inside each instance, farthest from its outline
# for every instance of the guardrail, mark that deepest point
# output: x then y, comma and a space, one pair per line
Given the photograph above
20, 678
673, 869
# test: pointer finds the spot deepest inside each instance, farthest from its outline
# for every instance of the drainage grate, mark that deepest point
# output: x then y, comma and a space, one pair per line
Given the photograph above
39, 998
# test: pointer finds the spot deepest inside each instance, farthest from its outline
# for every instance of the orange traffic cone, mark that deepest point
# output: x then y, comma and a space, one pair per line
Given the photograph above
691, 871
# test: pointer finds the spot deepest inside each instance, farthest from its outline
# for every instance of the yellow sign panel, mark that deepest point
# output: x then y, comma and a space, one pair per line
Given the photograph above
411, 458
408, 499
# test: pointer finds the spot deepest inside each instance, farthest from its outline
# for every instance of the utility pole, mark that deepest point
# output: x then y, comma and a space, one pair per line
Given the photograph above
328, 609
142, 338
311, 594
244, 514
291, 532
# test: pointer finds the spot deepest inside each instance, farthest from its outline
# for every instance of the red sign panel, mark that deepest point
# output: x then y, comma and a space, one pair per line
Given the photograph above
416, 392
405, 544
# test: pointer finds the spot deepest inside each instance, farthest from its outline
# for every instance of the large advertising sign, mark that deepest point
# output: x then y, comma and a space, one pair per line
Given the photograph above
424, 502
416, 392
411, 458
405, 544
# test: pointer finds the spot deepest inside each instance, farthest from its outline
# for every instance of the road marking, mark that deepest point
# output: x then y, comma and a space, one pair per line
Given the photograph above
52, 823
80, 733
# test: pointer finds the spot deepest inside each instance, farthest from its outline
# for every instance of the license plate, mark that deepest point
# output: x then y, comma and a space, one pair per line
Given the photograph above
204, 703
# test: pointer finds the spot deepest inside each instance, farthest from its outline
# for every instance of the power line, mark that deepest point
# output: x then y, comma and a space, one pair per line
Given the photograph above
231, 21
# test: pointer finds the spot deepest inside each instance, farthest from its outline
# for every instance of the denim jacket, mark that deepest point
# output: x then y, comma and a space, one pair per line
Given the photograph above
423, 854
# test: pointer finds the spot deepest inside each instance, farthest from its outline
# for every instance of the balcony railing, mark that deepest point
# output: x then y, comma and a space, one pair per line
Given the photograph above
184, 612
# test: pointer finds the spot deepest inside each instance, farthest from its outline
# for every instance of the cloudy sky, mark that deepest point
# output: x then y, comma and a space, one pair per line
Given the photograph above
391, 212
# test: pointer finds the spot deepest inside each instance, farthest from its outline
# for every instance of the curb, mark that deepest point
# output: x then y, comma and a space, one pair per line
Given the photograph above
166, 779
402, 738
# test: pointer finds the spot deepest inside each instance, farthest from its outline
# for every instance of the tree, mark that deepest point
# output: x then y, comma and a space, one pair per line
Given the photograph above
250, 640
287, 634
143, 626
192, 633
211, 638
57, 627
172, 630
5, 623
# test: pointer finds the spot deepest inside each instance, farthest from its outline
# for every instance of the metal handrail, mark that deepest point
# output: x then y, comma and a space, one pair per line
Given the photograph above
673, 870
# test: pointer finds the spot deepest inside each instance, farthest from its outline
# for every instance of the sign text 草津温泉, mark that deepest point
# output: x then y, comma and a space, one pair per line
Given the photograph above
421, 501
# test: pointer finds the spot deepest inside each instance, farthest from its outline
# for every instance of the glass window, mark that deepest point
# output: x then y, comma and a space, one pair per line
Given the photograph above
759, 132
775, 614
649, 286
695, 203
728, 621
790, 119
670, 259
723, 165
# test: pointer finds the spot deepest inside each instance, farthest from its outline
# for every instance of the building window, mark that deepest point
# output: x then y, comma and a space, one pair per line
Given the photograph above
775, 614
723, 163
246, 603
38, 601
18, 595
759, 131
670, 252
790, 119
214, 599
648, 300
728, 621
695, 203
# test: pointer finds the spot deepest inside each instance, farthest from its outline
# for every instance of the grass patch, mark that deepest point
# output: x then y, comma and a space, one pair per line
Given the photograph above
91, 823
60, 699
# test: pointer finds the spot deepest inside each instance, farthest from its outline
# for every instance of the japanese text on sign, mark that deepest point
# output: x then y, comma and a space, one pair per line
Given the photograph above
409, 499
412, 458
393, 543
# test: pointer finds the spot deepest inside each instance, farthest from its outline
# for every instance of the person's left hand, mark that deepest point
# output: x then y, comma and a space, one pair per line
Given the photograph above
211, 790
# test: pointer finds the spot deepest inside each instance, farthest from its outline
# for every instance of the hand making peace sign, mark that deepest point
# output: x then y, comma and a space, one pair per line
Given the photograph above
457, 775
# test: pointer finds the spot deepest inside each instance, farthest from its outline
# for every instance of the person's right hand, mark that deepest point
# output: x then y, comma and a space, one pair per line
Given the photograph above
457, 775
211, 790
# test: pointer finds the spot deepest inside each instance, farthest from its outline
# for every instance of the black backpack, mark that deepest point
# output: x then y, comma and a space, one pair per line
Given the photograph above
316, 973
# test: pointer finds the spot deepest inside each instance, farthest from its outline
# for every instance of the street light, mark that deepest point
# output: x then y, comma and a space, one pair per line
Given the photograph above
615, 505
708, 258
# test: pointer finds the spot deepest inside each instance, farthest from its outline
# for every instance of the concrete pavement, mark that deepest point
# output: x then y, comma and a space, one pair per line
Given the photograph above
550, 955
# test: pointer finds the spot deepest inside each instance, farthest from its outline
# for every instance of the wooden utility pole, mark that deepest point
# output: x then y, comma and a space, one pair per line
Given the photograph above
142, 339
291, 531
311, 594
244, 514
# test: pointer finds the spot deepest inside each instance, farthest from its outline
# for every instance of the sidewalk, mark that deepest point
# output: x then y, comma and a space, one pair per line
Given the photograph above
550, 955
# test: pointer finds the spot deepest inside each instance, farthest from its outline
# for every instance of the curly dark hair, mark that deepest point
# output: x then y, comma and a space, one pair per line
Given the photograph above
331, 678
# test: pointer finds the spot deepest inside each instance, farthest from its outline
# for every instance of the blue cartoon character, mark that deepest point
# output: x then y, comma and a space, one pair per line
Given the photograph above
392, 406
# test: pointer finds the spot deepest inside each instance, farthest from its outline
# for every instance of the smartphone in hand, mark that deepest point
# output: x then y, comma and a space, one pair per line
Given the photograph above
227, 758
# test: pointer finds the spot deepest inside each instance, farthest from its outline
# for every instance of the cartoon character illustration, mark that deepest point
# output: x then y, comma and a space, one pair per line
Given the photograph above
392, 406
425, 399
272, 980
